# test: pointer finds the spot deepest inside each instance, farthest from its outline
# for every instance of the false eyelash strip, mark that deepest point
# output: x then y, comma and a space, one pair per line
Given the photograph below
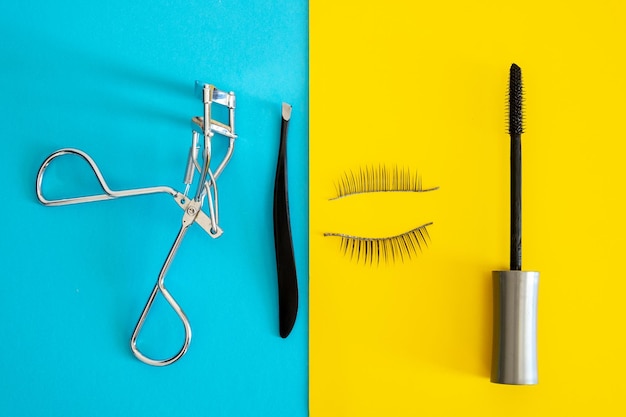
379, 179
388, 249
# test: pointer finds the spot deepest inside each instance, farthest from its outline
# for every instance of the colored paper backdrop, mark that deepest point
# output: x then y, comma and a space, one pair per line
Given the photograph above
116, 79
422, 86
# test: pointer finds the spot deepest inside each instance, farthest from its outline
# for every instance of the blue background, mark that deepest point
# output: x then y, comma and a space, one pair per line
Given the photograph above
115, 79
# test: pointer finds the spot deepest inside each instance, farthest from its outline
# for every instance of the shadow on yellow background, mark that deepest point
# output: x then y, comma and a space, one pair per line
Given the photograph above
423, 86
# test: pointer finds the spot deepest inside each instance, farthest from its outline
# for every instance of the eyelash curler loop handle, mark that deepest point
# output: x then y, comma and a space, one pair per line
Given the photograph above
188, 219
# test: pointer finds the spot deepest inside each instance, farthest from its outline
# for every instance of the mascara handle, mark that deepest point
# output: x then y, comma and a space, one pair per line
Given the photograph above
285, 261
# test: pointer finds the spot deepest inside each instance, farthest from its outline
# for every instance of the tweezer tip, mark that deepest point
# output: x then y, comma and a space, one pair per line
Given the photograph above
286, 111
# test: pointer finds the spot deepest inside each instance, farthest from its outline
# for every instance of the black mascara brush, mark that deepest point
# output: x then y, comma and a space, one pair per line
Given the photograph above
515, 131
515, 291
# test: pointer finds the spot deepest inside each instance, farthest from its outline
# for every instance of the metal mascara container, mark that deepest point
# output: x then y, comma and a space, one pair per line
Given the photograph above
515, 327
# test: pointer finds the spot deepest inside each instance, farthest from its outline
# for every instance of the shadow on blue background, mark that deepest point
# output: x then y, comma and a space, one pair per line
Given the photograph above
116, 80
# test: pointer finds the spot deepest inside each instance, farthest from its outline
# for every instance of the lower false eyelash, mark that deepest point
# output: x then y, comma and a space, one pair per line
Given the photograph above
375, 179
387, 249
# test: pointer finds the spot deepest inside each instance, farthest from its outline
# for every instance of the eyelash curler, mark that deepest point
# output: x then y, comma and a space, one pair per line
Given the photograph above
198, 161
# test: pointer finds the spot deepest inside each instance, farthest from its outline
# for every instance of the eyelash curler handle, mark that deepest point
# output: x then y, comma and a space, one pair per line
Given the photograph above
285, 262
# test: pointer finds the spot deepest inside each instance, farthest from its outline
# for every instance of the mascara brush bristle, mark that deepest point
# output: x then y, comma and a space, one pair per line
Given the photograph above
515, 101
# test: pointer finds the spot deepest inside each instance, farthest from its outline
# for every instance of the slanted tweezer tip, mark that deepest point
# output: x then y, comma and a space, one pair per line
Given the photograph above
286, 111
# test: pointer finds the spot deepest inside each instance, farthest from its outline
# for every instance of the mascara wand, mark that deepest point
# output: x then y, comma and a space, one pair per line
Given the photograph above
515, 291
515, 131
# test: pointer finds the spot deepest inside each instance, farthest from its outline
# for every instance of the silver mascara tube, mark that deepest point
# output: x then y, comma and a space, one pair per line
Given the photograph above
515, 327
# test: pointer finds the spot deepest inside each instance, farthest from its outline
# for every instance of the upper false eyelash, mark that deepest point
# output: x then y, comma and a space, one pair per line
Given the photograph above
390, 248
375, 179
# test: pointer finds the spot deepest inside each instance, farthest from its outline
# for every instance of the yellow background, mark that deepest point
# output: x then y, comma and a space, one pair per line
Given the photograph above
423, 85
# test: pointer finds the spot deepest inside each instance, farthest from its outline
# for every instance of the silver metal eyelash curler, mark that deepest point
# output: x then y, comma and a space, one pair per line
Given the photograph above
191, 204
